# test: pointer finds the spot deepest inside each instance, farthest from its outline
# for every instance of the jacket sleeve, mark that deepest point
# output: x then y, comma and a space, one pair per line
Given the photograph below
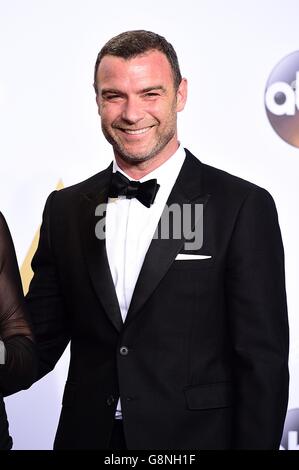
18, 361
257, 309
44, 299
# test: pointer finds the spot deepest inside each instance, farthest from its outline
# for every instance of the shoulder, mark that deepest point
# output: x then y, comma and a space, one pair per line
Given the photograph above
6, 243
4, 230
70, 195
2, 220
228, 186
88, 185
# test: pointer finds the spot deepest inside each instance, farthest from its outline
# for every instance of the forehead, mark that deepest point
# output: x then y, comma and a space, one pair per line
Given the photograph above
149, 69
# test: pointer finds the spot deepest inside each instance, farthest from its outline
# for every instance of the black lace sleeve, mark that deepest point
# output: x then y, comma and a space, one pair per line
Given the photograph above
18, 371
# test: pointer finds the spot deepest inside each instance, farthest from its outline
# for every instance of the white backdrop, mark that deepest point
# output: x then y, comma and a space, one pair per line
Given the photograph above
50, 129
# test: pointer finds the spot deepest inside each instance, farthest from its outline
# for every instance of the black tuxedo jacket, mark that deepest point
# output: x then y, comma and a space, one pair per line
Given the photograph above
201, 360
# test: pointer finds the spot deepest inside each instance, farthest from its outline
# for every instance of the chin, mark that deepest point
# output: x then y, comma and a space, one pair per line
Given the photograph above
133, 156
134, 159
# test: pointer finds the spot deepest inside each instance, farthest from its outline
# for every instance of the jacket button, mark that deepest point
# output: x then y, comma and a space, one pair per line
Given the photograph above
124, 351
110, 400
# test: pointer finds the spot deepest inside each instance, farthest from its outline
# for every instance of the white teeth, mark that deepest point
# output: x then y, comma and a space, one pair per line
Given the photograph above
137, 131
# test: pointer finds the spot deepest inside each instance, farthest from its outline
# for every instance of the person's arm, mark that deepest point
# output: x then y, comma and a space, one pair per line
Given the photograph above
17, 353
45, 301
2, 353
256, 301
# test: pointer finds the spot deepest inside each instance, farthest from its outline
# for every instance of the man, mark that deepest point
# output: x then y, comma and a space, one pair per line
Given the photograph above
174, 344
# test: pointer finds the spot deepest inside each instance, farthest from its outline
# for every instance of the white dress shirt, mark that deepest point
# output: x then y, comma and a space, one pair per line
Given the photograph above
130, 227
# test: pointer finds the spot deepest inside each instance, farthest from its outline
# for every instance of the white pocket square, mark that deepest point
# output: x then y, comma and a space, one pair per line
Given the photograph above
184, 256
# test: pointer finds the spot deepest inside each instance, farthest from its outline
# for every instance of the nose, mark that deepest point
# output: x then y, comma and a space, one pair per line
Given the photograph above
132, 111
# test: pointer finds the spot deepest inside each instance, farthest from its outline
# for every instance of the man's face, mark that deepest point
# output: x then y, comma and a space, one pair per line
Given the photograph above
138, 105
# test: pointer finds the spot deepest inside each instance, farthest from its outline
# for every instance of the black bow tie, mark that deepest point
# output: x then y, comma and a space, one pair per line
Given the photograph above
144, 192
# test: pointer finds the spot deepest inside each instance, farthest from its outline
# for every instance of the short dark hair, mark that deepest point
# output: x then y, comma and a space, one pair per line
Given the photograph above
133, 43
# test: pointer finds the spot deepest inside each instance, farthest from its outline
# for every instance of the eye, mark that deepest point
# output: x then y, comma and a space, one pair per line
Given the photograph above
151, 94
112, 97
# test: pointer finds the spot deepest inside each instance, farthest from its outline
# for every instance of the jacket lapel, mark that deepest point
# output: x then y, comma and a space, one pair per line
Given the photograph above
95, 248
188, 189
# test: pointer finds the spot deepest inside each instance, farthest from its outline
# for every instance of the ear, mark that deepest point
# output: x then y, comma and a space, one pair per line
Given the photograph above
98, 104
182, 95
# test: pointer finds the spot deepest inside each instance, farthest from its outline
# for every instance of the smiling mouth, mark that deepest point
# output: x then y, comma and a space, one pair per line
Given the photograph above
135, 131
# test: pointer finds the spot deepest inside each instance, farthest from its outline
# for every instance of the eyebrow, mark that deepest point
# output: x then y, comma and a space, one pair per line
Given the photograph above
152, 88
144, 90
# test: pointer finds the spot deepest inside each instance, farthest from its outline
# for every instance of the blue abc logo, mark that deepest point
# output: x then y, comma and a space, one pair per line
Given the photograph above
282, 99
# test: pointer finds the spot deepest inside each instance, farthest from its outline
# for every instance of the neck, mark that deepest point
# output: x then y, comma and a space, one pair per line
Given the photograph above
138, 170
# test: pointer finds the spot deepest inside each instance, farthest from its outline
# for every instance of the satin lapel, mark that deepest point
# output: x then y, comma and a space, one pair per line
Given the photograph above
162, 252
95, 248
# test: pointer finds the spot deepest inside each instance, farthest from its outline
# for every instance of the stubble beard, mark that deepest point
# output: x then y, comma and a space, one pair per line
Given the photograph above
139, 158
